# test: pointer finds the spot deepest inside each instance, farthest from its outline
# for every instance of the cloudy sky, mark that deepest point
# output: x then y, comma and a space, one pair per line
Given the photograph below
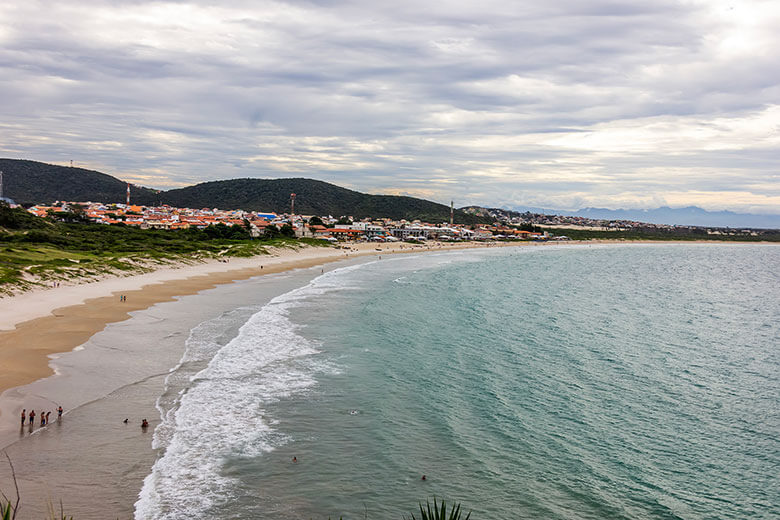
554, 103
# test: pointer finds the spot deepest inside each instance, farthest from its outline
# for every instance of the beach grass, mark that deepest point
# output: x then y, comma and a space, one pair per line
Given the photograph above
36, 252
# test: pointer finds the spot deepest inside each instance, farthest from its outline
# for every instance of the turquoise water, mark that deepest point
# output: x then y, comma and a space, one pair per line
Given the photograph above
637, 382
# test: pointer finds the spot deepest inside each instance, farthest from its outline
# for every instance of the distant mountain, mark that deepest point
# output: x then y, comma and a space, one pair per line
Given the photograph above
688, 216
30, 182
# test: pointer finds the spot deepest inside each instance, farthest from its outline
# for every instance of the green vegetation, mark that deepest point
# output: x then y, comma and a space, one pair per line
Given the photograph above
36, 251
30, 182
312, 198
439, 513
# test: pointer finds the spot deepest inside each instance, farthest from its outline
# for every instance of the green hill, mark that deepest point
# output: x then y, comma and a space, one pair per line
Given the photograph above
312, 198
30, 182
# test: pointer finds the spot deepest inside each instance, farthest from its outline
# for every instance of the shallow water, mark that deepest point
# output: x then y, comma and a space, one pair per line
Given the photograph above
92, 461
633, 382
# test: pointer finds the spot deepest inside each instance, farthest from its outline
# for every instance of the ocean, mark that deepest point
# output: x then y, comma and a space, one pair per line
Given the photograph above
563, 382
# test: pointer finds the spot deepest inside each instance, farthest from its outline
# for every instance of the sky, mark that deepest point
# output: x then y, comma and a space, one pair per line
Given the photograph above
501, 103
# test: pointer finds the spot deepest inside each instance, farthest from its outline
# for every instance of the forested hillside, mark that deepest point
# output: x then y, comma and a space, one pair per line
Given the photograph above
30, 182
312, 198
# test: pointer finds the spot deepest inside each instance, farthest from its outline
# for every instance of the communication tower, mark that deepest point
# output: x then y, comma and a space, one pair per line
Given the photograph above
1, 184
292, 204
452, 212
128, 193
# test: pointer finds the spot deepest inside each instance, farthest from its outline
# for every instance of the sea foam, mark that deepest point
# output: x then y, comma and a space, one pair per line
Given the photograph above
219, 411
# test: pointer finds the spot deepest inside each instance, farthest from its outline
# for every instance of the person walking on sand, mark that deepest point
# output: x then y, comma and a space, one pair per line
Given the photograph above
47, 417
43, 418
32, 417
59, 412
24, 417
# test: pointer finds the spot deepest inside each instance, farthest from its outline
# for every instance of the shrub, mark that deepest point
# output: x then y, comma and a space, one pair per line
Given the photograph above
437, 513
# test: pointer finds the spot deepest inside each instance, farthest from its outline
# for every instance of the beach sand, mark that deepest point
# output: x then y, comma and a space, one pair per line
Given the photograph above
40, 323
109, 367
76, 346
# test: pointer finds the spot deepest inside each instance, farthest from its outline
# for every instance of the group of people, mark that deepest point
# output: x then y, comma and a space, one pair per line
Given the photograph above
43, 415
144, 423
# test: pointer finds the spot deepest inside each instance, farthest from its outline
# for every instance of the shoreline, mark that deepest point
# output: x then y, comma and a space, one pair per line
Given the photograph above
41, 323
37, 325
110, 352
105, 360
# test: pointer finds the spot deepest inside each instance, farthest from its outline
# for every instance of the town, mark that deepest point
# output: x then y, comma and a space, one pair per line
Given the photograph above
505, 224
258, 224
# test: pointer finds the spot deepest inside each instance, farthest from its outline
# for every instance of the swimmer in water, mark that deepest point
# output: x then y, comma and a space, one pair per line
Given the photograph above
295, 459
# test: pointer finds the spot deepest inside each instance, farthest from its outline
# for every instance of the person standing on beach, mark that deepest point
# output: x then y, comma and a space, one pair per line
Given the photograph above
47, 417
43, 418
24, 411
32, 417
59, 412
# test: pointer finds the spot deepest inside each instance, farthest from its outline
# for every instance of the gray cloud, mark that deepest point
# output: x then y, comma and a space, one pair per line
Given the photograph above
595, 103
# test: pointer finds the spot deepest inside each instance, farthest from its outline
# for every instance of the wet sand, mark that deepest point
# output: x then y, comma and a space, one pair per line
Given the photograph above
108, 367
91, 460
64, 324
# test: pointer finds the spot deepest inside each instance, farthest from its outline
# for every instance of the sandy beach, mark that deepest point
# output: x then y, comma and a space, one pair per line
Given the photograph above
73, 333
41, 323
105, 360
38, 324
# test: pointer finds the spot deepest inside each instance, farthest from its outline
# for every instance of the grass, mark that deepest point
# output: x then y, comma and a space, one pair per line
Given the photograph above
87, 251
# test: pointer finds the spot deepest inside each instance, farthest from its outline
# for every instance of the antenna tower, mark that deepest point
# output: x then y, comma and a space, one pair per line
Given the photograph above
128, 193
1, 184
292, 204
452, 212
